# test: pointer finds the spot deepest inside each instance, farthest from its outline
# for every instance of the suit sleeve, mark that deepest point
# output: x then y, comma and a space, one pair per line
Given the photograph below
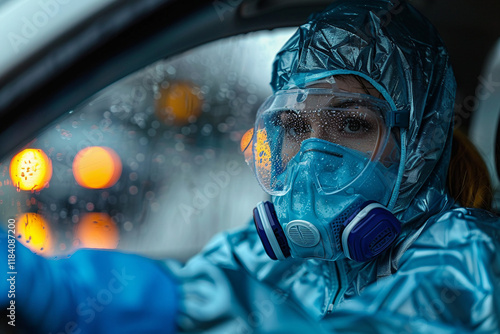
93, 291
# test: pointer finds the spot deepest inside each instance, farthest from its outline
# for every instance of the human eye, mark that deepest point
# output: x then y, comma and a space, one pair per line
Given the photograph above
348, 124
354, 117
355, 124
294, 125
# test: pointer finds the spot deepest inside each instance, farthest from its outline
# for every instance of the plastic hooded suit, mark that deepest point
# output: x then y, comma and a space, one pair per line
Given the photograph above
441, 275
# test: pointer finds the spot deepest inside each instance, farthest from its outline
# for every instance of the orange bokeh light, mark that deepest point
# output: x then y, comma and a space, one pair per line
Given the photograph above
97, 230
33, 231
30, 169
245, 146
179, 104
97, 167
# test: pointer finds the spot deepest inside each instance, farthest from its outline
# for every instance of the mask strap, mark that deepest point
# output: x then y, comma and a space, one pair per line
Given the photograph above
395, 192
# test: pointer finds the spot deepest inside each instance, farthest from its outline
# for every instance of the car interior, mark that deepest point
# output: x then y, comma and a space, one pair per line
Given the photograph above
165, 94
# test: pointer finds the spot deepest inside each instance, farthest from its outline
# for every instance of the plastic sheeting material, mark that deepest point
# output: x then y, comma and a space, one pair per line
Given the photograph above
441, 275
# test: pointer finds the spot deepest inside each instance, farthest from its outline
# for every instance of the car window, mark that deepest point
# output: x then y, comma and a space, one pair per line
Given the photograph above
151, 164
485, 118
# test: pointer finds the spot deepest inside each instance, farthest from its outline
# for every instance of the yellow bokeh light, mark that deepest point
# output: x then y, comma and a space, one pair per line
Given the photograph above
97, 167
97, 230
30, 169
263, 157
179, 104
33, 231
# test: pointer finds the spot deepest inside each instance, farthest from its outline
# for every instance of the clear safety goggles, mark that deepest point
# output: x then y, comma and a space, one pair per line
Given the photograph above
358, 125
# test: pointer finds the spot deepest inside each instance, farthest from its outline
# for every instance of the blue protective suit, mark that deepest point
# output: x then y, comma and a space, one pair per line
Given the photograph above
441, 276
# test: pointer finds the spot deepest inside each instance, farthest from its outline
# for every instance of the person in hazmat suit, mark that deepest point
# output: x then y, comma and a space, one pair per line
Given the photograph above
361, 234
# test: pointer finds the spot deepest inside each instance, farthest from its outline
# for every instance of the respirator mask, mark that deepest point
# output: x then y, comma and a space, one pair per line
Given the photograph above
330, 159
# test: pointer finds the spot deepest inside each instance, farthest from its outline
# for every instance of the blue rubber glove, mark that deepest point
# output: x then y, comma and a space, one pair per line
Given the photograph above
94, 291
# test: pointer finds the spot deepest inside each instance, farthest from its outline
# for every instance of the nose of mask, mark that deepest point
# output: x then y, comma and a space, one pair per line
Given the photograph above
330, 167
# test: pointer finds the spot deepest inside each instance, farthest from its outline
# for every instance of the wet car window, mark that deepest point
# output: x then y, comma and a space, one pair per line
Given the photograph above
152, 164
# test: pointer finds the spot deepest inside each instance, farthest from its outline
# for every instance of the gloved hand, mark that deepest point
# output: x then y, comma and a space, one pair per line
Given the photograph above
93, 291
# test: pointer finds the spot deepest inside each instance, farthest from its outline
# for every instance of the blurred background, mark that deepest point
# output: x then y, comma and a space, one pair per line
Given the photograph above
153, 163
